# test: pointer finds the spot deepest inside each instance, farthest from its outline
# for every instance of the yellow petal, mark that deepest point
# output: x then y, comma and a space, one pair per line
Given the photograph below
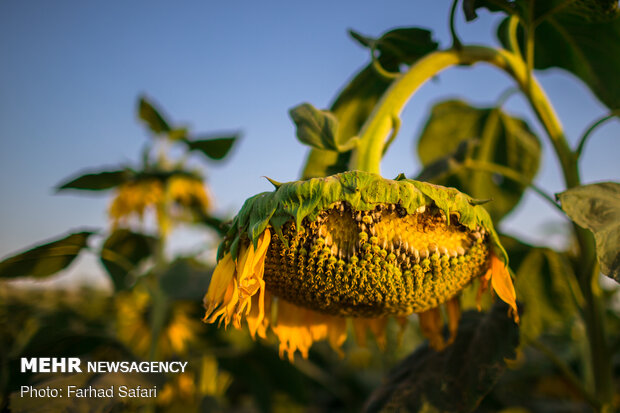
502, 285
453, 307
258, 318
222, 276
431, 325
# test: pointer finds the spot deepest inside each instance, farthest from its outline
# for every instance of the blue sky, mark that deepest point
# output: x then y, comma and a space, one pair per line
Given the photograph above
71, 71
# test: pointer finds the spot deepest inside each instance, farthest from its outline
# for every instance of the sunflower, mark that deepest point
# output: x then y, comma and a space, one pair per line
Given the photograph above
133, 310
306, 257
169, 195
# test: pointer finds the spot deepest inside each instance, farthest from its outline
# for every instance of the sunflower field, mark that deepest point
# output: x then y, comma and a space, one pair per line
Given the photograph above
347, 290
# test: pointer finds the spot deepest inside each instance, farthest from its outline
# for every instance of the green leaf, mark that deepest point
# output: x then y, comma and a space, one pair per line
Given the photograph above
545, 285
597, 207
178, 134
214, 148
358, 99
456, 379
152, 116
535, 11
47, 259
319, 128
121, 253
186, 279
581, 37
590, 51
404, 45
450, 157
470, 7
97, 181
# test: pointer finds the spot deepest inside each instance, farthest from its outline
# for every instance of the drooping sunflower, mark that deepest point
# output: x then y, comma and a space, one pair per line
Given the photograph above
311, 254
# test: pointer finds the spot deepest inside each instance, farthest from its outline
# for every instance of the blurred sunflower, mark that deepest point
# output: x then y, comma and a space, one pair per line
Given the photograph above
177, 196
133, 312
311, 254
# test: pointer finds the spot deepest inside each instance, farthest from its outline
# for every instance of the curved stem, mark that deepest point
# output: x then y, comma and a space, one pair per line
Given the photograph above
367, 156
376, 65
513, 42
591, 128
456, 42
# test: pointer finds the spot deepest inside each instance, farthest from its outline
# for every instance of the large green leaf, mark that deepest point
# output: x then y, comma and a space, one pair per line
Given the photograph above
358, 99
545, 285
152, 116
580, 36
534, 11
597, 208
445, 147
47, 259
589, 50
214, 148
97, 181
121, 253
456, 379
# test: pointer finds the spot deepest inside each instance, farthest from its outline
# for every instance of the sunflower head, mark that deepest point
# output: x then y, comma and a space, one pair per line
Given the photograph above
355, 245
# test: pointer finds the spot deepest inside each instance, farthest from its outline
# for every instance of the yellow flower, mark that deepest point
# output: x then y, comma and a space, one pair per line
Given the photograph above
169, 196
310, 255
132, 323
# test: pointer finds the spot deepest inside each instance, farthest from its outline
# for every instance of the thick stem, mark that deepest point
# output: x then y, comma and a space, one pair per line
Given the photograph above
367, 156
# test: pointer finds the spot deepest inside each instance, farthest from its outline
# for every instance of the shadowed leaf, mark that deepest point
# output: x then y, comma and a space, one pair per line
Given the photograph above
456, 379
543, 284
97, 181
122, 252
593, 10
597, 207
589, 50
213, 148
47, 259
458, 140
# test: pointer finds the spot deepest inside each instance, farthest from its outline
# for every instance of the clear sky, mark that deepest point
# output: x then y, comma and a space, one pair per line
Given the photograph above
71, 71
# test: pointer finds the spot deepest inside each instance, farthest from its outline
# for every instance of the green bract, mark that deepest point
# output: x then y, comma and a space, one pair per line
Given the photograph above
363, 191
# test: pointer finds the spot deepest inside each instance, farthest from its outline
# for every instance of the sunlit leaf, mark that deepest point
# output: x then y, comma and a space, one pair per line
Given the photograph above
97, 181
121, 252
501, 140
318, 128
597, 207
214, 148
358, 99
456, 379
47, 259
152, 116
177, 134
